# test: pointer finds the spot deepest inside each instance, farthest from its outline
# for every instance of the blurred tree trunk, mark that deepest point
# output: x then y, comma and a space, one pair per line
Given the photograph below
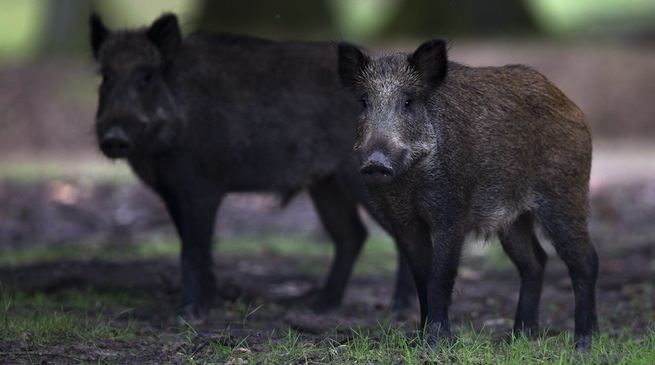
278, 19
66, 27
429, 18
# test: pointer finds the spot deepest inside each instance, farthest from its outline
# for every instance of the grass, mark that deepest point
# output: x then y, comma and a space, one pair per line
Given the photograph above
34, 324
91, 168
391, 345
378, 255
167, 247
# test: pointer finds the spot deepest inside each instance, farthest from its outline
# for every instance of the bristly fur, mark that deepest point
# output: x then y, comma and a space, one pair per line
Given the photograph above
448, 150
211, 114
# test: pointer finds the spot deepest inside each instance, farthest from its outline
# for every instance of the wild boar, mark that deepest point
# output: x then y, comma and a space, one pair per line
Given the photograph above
446, 150
211, 114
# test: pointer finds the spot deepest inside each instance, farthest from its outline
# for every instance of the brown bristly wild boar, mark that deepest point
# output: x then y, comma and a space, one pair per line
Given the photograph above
446, 150
203, 116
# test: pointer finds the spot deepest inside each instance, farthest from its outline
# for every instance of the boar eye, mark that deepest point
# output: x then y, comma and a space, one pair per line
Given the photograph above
364, 103
408, 103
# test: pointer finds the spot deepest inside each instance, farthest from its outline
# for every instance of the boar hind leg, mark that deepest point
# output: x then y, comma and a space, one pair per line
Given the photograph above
567, 230
523, 248
341, 220
405, 292
193, 214
404, 297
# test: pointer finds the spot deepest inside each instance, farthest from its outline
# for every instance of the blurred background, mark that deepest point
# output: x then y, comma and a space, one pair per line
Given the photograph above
598, 52
31, 29
55, 187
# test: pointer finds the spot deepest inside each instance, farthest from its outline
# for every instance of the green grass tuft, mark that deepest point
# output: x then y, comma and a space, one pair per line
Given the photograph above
85, 317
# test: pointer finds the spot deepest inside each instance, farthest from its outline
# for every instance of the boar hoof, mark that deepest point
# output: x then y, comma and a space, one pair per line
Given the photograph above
192, 313
583, 343
437, 338
323, 304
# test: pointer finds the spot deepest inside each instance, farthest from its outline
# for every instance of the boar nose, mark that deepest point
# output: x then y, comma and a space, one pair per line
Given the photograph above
377, 169
115, 143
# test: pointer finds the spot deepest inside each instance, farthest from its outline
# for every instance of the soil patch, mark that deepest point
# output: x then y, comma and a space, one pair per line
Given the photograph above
263, 296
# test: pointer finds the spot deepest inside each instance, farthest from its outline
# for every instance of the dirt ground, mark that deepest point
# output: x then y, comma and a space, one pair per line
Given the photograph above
485, 295
613, 84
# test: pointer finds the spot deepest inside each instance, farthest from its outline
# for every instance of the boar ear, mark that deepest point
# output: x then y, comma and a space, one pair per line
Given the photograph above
351, 64
99, 33
165, 33
430, 61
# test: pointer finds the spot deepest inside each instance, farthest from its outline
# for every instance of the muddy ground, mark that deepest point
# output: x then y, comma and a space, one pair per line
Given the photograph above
485, 293
613, 84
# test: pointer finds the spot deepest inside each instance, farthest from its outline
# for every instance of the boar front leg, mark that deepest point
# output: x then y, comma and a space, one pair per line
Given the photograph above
193, 210
446, 244
433, 259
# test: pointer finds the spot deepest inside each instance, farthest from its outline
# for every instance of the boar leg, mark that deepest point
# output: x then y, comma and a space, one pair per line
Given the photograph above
404, 295
193, 211
341, 220
521, 245
433, 260
446, 252
567, 230
414, 242
405, 292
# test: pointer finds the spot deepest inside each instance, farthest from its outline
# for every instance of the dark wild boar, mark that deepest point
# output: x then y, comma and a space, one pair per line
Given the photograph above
200, 117
446, 150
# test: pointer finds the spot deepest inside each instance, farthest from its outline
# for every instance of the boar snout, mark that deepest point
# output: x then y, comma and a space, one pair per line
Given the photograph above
115, 143
377, 169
